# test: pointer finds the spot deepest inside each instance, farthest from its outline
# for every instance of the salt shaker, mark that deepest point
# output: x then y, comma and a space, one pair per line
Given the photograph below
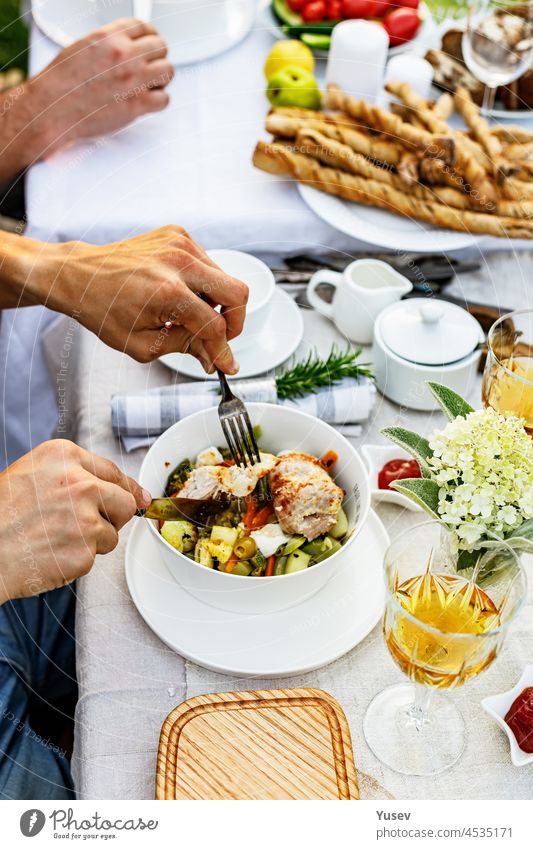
357, 56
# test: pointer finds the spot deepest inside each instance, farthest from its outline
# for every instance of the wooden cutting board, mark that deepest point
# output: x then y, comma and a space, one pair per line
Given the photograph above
263, 744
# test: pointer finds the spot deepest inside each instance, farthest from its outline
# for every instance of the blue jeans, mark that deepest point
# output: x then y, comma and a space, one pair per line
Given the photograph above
37, 676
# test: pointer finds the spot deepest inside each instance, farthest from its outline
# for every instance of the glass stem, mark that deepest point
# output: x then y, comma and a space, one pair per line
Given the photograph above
418, 712
489, 96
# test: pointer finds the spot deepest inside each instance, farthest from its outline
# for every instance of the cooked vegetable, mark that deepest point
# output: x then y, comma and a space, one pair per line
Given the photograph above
297, 561
262, 516
318, 547
251, 510
329, 459
340, 529
331, 549
269, 538
241, 567
293, 544
232, 562
281, 562
222, 541
271, 562
178, 477
245, 548
258, 563
181, 535
202, 553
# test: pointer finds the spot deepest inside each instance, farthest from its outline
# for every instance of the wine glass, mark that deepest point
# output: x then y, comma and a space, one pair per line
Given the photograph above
497, 43
508, 375
441, 628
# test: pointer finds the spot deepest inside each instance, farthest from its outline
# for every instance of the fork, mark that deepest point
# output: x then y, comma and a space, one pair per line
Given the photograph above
239, 432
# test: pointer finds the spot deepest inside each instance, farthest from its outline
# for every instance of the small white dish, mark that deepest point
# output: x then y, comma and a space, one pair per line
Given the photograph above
274, 645
497, 707
375, 457
194, 32
275, 344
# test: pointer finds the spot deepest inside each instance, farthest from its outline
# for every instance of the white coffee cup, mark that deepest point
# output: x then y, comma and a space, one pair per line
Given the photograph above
260, 281
362, 291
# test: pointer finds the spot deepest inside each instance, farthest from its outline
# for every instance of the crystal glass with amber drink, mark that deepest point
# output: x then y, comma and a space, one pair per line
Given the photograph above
441, 628
508, 375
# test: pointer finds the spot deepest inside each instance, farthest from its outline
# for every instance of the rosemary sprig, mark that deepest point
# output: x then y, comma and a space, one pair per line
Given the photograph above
306, 377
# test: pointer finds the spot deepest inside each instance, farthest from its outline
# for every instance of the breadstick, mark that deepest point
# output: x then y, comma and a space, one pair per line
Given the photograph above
375, 147
443, 106
481, 130
375, 117
277, 159
517, 189
512, 134
466, 163
520, 151
407, 167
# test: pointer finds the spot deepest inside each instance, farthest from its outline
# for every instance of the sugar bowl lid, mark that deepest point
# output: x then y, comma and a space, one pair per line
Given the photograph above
429, 331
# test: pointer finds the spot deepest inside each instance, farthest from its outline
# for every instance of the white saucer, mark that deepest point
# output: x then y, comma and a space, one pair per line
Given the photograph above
189, 40
274, 645
272, 347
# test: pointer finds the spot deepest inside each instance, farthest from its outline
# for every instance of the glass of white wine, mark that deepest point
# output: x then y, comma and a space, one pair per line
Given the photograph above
508, 375
441, 628
498, 43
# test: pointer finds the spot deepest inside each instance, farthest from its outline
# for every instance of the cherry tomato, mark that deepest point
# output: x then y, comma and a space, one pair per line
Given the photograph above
358, 8
401, 25
407, 4
335, 10
396, 470
381, 7
296, 5
315, 11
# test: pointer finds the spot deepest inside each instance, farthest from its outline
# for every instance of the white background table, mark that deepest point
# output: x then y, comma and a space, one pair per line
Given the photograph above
191, 165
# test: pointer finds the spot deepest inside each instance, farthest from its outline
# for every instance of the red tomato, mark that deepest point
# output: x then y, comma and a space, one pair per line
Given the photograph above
358, 8
396, 470
335, 10
401, 25
296, 5
381, 7
407, 4
315, 11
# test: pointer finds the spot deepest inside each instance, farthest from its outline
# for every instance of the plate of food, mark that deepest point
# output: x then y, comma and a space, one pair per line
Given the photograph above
403, 177
259, 572
514, 101
313, 21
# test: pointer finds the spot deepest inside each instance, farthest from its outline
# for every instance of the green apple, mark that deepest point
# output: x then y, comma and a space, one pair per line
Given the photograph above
293, 86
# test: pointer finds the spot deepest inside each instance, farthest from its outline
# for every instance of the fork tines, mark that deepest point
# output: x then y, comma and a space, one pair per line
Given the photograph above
239, 433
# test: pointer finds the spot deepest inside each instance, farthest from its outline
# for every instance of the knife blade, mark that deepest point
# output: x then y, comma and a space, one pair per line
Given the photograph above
193, 510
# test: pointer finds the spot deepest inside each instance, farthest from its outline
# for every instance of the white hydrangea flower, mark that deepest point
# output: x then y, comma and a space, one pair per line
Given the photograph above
483, 464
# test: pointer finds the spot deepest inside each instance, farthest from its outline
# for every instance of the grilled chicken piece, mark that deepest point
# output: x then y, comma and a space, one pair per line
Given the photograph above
209, 481
306, 500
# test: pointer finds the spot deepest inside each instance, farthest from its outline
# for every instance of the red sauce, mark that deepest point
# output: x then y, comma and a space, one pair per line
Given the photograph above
396, 470
519, 718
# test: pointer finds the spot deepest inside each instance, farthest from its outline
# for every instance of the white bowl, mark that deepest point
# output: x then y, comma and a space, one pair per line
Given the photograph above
375, 457
283, 429
497, 707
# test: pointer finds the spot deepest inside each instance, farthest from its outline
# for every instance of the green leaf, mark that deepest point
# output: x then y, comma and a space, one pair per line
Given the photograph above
415, 445
422, 491
450, 402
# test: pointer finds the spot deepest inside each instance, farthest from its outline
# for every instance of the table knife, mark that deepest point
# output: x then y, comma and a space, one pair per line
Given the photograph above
193, 510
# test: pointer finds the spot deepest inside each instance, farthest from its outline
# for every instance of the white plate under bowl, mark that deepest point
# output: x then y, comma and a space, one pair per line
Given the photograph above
497, 707
274, 645
269, 21
379, 227
66, 21
273, 346
375, 457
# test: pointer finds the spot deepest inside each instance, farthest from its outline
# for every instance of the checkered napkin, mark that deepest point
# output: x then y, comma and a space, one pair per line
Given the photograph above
139, 419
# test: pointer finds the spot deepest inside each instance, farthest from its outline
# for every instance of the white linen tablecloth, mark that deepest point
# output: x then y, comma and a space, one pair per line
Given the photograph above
129, 680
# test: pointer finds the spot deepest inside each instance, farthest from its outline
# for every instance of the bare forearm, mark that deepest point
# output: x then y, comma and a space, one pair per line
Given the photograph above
29, 272
23, 134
